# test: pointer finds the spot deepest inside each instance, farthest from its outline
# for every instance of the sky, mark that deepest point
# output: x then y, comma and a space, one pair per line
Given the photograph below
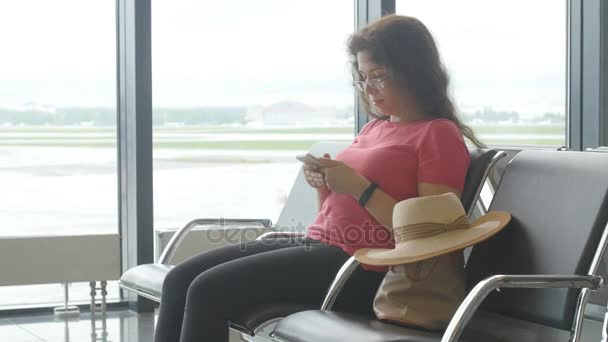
507, 55
510, 55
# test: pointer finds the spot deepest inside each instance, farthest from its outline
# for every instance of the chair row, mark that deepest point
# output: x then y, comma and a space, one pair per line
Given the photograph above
299, 211
530, 282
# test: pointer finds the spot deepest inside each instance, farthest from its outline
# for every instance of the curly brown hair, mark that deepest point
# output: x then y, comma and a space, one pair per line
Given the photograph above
406, 48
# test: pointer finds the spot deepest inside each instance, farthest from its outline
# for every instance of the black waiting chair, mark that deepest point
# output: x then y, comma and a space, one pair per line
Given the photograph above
146, 280
544, 263
257, 320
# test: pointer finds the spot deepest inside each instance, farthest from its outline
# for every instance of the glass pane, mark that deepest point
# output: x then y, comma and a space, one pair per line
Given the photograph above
240, 88
507, 62
57, 131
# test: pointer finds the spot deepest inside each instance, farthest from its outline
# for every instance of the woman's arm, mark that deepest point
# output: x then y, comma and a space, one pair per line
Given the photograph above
380, 205
341, 178
429, 189
314, 178
322, 194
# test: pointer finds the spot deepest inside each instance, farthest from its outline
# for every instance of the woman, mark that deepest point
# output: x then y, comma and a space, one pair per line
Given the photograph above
413, 147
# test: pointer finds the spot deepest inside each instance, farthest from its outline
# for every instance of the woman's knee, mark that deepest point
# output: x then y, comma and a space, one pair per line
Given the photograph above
208, 291
208, 283
175, 280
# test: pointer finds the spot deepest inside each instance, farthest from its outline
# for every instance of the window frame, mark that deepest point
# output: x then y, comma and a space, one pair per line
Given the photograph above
586, 109
586, 91
134, 145
586, 96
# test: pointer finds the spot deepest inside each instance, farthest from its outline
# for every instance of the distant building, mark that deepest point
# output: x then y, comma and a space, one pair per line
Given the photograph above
292, 113
37, 107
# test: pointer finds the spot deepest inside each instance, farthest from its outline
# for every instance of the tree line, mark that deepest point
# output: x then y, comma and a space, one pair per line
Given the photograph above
106, 116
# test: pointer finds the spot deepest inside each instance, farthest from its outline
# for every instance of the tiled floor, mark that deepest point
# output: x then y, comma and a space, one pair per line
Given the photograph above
120, 326
123, 326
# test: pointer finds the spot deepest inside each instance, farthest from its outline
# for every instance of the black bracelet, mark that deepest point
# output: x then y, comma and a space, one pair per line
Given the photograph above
367, 194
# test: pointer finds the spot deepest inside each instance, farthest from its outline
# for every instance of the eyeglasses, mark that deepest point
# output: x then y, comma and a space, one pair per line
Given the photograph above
374, 83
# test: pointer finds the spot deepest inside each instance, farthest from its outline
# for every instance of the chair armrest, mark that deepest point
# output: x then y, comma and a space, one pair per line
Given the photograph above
182, 232
336, 286
471, 303
270, 235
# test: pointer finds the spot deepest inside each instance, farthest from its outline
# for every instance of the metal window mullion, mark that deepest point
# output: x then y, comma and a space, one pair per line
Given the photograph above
591, 61
574, 75
361, 19
587, 77
134, 110
604, 72
367, 11
585, 101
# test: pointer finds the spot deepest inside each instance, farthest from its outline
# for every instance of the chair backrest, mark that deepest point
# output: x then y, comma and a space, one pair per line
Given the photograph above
558, 203
481, 160
300, 208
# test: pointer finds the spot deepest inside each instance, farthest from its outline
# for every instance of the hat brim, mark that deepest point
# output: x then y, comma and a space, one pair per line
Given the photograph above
421, 249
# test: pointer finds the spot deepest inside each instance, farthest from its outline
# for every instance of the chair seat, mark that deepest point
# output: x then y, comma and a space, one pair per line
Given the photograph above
146, 280
330, 326
249, 320
326, 326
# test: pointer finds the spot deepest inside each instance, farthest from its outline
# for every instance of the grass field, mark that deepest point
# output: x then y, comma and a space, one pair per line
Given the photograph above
105, 137
185, 129
501, 129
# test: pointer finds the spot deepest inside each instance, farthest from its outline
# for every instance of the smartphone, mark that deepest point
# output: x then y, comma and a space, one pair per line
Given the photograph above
307, 158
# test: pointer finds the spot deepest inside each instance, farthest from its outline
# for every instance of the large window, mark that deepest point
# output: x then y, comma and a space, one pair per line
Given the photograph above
57, 131
240, 88
507, 61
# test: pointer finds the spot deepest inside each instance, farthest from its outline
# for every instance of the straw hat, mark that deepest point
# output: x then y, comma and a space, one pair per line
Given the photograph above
429, 226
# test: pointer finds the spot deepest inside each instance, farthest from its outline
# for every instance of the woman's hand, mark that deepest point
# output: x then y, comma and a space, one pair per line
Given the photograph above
341, 178
314, 178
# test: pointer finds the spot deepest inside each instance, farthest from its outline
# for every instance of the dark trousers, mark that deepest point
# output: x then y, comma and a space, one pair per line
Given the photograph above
202, 294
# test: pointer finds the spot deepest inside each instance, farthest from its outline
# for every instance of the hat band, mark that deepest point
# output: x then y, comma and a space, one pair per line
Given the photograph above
427, 229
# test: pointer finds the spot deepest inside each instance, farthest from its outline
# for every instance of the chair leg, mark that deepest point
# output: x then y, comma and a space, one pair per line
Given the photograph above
577, 326
263, 333
266, 328
605, 326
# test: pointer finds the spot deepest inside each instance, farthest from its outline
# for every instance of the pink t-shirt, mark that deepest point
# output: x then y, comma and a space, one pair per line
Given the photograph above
396, 157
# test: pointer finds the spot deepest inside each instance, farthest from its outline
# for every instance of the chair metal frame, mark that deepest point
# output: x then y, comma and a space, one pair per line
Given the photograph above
476, 296
351, 264
342, 276
178, 237
484, 288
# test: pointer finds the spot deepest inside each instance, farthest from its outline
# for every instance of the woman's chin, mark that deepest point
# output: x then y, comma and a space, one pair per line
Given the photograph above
380, 110
383, 109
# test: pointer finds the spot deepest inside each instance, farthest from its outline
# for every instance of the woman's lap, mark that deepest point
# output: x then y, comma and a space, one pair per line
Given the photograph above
222, 282
294, 274
186, 271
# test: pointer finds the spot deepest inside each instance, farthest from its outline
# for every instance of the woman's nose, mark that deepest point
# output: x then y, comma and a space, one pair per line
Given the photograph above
370, 90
